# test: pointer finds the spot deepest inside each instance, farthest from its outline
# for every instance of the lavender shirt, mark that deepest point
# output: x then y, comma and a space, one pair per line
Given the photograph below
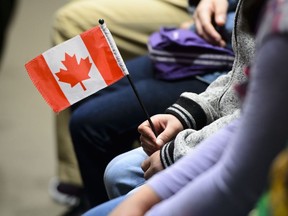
226, 174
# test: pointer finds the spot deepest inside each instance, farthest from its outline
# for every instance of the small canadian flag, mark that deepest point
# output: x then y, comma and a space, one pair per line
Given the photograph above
77, 68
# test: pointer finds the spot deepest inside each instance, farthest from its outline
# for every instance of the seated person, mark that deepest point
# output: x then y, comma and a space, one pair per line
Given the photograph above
105, 125
227, 173
210, 111
130, 23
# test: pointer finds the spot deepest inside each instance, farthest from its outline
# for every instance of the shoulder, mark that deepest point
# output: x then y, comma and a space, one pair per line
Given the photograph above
273, 19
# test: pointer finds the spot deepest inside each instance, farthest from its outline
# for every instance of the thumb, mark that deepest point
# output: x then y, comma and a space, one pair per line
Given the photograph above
160, 141
164, 137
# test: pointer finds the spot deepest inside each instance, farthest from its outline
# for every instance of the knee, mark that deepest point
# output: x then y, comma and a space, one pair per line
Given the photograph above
124, 166
66, 23
115, 172
124, 173
81, 123
61, 25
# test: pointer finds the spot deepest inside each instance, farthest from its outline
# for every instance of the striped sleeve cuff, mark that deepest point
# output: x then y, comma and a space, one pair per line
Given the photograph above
189, 113
166, 154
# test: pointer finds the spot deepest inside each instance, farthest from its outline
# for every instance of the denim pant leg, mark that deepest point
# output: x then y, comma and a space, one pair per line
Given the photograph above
105, 208
105, 125
124, 173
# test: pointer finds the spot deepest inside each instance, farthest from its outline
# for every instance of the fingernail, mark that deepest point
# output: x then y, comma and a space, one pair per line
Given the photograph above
159, 142
221, 19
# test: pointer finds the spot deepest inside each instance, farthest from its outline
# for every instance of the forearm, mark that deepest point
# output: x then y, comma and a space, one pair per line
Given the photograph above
238, 179
187, 140
198, 110
202, 158
138, 203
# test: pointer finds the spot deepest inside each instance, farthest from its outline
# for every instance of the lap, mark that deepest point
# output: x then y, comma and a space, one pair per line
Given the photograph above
130, 23
128, 13
114, 103
131, 158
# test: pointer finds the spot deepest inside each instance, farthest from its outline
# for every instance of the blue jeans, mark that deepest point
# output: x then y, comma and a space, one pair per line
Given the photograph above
124, 173
105, 208
105, 124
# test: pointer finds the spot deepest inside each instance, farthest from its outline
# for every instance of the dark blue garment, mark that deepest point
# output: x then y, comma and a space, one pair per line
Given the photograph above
105, 124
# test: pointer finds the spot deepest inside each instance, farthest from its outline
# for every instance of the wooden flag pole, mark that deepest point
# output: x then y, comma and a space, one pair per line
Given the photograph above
123, 66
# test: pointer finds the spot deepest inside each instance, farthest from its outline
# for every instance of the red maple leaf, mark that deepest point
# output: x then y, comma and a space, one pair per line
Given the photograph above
75, 73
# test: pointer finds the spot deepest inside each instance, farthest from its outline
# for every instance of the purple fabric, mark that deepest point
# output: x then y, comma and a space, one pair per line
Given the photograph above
179, 53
